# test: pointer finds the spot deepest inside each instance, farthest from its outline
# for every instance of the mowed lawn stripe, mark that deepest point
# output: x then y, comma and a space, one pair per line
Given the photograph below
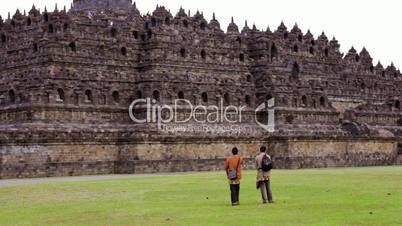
340, 196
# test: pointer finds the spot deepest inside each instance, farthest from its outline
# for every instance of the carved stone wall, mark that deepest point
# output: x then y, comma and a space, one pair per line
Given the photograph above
59, 160
67, 79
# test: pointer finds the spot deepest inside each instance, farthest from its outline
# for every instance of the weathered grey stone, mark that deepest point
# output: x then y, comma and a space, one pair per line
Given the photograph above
67, 79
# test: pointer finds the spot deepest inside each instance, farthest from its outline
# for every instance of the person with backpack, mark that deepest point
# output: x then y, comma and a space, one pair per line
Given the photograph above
233, 167
264, 166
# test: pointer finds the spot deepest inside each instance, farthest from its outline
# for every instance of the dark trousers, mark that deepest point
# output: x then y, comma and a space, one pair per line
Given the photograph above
266, 192
234, 192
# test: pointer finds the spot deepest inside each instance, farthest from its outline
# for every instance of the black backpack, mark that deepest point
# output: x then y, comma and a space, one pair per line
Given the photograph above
266, 164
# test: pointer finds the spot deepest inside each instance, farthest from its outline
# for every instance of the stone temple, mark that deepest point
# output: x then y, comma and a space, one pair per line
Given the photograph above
69, 77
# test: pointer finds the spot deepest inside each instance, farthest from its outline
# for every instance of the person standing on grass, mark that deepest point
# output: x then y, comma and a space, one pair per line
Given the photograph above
233, 167
264, 166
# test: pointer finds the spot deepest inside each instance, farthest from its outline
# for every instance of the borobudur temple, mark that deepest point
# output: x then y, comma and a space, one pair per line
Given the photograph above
69, 77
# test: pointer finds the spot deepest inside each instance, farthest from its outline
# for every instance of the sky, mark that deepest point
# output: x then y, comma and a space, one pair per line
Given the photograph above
374, 24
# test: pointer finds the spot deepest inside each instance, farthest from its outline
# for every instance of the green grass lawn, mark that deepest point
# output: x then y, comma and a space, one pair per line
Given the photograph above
352, 196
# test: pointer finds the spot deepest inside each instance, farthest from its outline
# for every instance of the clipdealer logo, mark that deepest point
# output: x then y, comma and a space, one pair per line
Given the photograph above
267, 107
163, 114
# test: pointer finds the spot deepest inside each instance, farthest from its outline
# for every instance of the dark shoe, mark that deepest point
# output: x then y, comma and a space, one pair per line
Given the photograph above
235, 204
264, 202
271, 201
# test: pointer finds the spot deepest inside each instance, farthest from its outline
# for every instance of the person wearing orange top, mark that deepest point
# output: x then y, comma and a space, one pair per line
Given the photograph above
233, 167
